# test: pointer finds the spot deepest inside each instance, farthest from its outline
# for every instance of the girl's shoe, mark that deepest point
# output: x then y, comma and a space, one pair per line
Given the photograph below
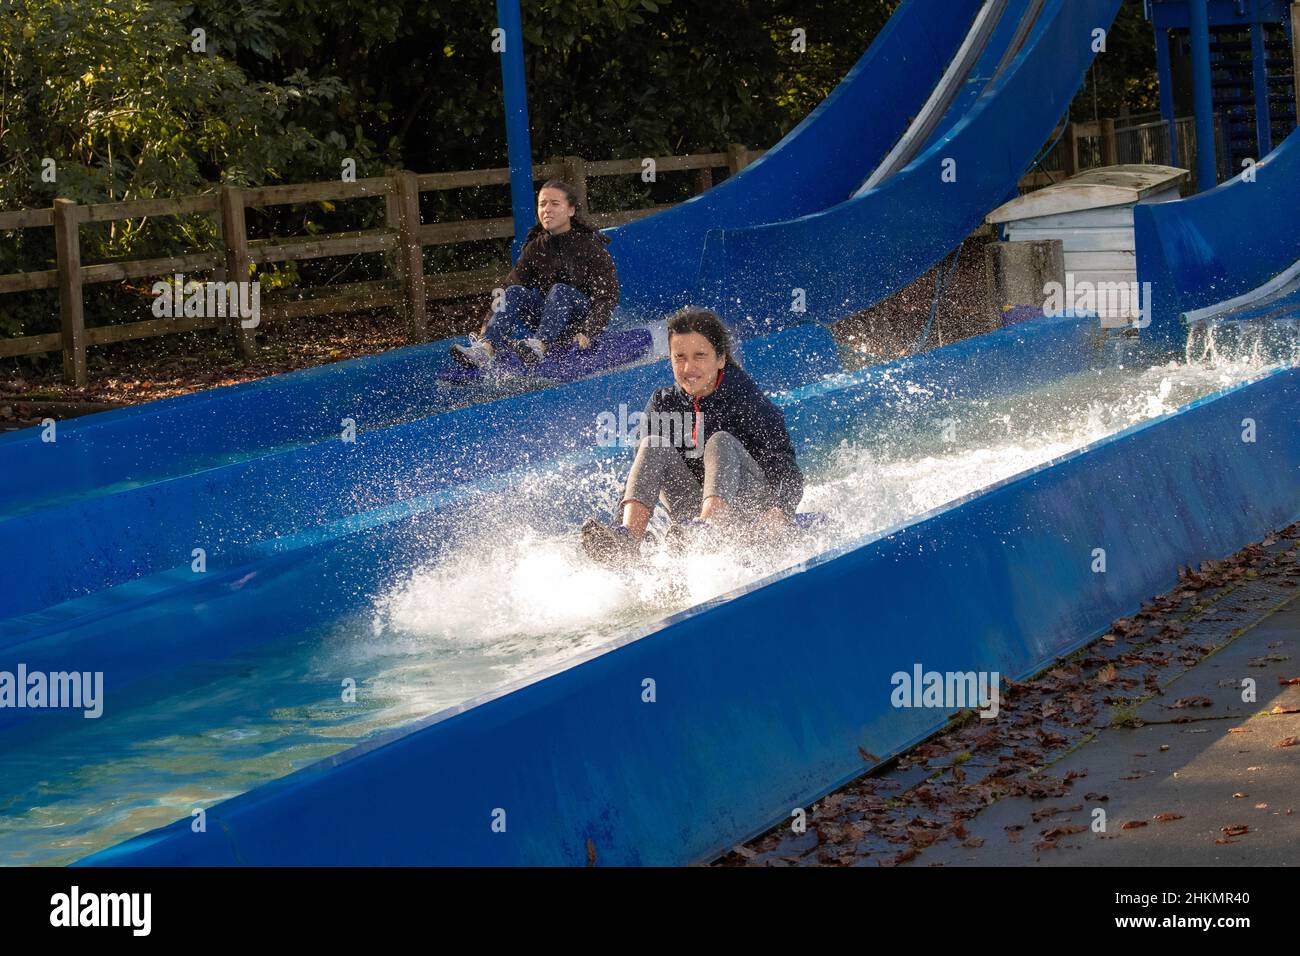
530, 351
474, 355
610, 545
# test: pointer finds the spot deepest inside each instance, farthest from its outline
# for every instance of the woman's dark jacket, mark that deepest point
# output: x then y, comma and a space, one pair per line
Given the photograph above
577, 258
736, 406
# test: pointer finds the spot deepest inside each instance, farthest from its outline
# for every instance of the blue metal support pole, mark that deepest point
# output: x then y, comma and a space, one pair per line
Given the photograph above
1206, 172
518, 144
1259, 65
1165, 74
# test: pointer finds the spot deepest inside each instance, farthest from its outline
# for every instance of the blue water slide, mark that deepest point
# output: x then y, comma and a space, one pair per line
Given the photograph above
852, 255
1225, 250
233, 512
747, 725
997, 36
814, 166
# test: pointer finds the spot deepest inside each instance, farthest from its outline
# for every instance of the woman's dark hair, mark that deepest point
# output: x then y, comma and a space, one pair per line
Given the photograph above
579, 219
705, 322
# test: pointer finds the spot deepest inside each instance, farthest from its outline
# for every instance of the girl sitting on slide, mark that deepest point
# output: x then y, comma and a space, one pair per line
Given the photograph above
561, 291
713, 447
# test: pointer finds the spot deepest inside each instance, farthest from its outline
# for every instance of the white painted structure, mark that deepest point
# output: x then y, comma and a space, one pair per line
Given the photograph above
1092, 215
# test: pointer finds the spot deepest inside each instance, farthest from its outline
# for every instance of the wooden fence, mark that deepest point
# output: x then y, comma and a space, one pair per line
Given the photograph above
401, 239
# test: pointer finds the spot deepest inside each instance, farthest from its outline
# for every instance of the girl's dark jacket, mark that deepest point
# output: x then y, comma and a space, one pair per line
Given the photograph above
736, 406
577, 258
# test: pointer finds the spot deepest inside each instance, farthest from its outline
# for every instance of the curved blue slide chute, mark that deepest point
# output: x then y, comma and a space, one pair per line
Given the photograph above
815, 165
849, 257
1221, 244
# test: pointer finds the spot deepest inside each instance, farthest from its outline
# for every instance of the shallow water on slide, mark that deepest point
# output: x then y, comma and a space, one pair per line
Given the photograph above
509, 601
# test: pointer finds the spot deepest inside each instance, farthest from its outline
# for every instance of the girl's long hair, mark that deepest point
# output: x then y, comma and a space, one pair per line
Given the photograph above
579, 220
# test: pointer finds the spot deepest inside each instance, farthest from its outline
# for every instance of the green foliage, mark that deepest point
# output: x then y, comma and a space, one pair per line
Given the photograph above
1123, 78
115, 94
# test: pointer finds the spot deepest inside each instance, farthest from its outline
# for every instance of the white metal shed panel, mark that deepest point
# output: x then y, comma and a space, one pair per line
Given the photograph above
1092, 216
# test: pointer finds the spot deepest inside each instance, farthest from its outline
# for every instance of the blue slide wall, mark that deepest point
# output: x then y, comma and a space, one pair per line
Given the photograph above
1219, 244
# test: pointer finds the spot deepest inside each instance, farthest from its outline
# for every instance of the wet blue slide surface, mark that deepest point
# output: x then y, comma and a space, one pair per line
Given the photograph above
748, 724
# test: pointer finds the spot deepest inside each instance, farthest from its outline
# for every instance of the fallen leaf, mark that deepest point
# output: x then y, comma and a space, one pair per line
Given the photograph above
923, 838
1279, 709
1106, 674
1240, 730
1167, 817
1066, 830
1284, 681
911, 853
1288, 742
1236, 829
1261, 806
1241, 796
1190, 702
868, 756
1133, 824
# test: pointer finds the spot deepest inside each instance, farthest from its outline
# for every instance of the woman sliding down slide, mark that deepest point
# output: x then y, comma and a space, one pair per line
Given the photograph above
560, 293
713, 447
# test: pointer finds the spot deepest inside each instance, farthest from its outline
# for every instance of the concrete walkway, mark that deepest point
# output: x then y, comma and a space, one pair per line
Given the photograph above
1145, 733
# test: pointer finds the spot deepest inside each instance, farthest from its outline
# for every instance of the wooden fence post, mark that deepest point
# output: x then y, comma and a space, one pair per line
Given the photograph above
72, 316
1109, 152
1070, 145
703, 180
737, 157
393, 223
235, 235
1295, 53
410, 254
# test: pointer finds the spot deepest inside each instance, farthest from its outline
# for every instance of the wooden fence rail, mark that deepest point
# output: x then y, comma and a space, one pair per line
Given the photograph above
402, 240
